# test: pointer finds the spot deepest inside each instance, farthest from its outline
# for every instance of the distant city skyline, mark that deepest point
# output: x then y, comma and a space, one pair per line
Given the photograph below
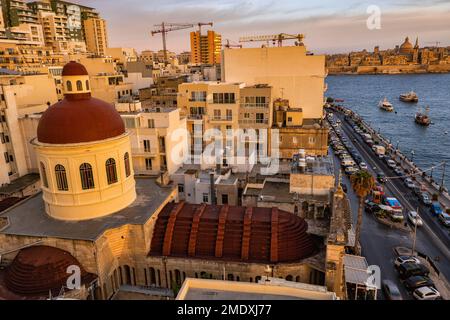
329, 27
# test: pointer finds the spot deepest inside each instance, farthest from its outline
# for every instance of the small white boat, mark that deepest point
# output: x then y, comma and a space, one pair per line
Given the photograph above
409, 97
386, 105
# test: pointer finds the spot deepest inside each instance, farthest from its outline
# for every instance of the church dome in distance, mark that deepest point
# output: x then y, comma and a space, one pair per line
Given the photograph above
406, 47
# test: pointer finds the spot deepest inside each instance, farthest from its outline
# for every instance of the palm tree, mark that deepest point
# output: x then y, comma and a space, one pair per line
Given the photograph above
363, 183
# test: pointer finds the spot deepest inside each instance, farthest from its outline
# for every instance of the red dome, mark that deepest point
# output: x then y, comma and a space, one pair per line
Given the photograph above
74, 69
261, 235
77, 119
37, 270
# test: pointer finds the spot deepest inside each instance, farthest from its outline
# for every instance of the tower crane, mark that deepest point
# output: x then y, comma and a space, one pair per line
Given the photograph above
166, 27
232, 45
275, 38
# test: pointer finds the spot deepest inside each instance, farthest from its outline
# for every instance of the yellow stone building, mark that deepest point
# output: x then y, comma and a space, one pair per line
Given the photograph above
206, 49
96, 36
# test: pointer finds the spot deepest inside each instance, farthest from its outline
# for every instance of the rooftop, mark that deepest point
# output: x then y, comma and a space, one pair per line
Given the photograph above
274, 289
19, 184
314, 165
30, 219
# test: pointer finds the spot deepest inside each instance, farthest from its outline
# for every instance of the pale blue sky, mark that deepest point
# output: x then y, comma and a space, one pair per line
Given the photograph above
329, 26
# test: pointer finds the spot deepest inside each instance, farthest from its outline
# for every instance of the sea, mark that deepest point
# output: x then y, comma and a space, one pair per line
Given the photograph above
428, 146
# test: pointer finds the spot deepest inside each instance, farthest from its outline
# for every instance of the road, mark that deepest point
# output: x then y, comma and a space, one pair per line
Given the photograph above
378, 241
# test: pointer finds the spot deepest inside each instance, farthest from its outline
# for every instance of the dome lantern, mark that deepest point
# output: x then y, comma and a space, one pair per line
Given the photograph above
76, 83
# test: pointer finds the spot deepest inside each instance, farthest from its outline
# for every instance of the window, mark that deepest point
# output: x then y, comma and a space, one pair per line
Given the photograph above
147, 145
111, 172
217, 114
260, 118
312, 140
148, 164
61, 178
126, 159
87, 177
229, 114
221, 98
198, 96
181, 188
79, 85
151, 123
87, 84
224, 199
246, 115
205, 197
44, 176
69, 86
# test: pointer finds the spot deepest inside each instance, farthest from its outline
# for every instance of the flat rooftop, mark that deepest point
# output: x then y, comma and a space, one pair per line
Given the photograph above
19, 184
30, 219
317, 166
274, 289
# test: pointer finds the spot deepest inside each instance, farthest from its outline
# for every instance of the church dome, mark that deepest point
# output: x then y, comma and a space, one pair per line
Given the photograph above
39, 269
78, 117
406, 47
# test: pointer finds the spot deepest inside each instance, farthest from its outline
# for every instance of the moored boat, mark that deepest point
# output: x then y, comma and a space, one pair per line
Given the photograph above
386, 105
409, 97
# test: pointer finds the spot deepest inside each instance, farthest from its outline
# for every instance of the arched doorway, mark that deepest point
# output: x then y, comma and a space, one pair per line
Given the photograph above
289, 278
127, 274
152, 276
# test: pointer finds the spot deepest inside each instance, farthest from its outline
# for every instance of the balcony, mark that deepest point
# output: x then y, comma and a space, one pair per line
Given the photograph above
195, 117
221, 118
152, 152
252, 121
255, 105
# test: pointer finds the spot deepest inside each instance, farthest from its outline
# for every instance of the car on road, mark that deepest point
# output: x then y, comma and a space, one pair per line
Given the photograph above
416, 282
371, 207
350, 170
381, 178
363, 166
391, 290
409, 183
406, 259
391, 164
407, 270
394, 204
425, 198
415, 219
436, 208
426, 293
444, 218
398, 171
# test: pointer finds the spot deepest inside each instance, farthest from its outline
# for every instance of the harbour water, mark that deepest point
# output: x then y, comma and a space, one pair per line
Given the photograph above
431, 145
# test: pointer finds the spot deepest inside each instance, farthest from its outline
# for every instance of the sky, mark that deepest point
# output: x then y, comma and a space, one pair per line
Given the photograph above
330, 26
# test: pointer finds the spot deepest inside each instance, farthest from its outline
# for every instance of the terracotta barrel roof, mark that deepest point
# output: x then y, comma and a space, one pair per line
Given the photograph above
260, 235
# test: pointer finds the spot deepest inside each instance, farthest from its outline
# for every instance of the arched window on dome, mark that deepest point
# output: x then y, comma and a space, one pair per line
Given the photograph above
87, 85
44, 176
126, 159
111, 172
87, 177
69, 85
79, 85
61, 178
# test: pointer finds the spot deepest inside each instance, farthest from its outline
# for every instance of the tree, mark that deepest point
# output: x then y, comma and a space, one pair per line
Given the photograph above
363, 183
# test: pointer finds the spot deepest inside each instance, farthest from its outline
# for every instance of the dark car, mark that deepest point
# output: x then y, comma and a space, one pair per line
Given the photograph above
391, 290
381, 177
407, 270
415, 282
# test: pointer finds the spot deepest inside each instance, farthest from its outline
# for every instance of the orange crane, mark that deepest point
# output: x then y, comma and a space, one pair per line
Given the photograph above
275, 38
166, 27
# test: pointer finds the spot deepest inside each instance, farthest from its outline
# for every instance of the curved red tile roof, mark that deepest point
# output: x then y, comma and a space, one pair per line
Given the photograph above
74, 69
261, 235
39, 269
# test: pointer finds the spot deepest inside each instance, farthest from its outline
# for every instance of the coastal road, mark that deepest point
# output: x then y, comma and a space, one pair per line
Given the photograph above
378, 241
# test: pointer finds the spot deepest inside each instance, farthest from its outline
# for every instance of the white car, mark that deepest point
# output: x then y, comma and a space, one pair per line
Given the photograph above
406, 259
426, 293
415, 218
409, 183
391, 164
363, 166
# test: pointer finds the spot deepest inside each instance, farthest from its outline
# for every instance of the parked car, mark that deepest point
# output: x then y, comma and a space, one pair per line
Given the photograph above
381, 177
405, 259
416, 282
426, 293
371, 207
409, 183
415, 219
407, 270
363, 166
398, 171
394, 204
436, 208
391, 164
425, 198
444, 218
350, 170
391, 290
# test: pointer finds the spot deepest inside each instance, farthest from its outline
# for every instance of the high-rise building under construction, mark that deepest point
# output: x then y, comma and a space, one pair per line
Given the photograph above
206, 48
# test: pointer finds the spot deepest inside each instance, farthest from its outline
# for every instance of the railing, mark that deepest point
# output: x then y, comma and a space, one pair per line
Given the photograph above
255, 105
257, 121
224, 118
143, 151
195, 116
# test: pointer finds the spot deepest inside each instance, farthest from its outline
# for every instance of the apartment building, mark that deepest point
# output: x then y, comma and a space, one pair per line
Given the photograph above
55, 31
121, 56
206, 48
152, 141
96, 36
27, 58
21, 97
16, 12
163, 92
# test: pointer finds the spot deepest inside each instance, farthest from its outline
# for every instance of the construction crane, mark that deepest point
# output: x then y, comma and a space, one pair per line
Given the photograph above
436, 43
275, 38
232, 45
166, 27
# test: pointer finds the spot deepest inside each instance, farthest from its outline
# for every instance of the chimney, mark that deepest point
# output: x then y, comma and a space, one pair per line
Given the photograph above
213, 191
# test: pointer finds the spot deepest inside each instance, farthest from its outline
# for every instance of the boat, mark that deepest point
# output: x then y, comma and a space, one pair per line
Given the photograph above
422, 118
386, 105
409, 97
